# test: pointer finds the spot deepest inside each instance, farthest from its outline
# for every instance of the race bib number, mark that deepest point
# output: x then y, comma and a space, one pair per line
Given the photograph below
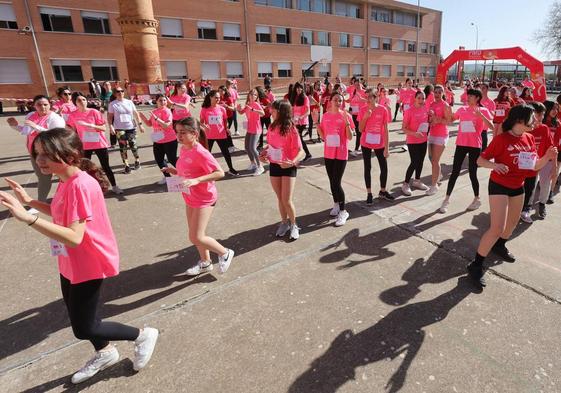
58, 249
215, 120
423, 128
175, 184
157, 136
527, 160
91, 136
373, 139
125, 118
467, 126
500, 112
333, 140
354, 108
275, 154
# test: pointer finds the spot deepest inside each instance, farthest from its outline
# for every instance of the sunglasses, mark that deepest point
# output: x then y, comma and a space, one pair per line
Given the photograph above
66, 94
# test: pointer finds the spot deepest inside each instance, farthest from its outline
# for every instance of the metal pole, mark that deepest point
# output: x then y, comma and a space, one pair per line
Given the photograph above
417, 45
247, 49
37, 52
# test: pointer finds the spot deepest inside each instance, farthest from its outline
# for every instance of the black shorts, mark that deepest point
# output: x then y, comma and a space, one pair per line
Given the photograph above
275, 170
498, 189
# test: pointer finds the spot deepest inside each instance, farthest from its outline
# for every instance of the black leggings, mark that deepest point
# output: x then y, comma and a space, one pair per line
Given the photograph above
358, 133
335, 170
223, 145
311, 126
304, 146
367, 158
163, 150
103, 157
265, 123
459, 156
529, 185
417, 153
484, 140
396, 110
81, 302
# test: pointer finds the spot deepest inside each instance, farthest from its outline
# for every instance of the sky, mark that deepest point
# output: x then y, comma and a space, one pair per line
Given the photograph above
492, 18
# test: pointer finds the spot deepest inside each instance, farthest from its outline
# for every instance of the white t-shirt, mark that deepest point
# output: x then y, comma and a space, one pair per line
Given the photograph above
53, 121
123, 114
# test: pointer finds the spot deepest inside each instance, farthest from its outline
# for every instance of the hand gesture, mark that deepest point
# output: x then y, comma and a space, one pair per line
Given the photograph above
31, 124
552, 153
141, 128
191, 182
169, 170
12, 122
20, 192
263, 157
83, 123
15, 207
501, 169
287, 164
386, 153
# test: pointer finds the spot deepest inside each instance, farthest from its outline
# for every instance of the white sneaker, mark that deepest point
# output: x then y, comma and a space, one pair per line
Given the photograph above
200, 268
439, 182
100, 361
341, 218
294, 232
282, 229
232, 149
225, 260
354, 153
251, 167
476, 204
525, 216
259, 171
33, 211
335, 211
419, 185
117, 190
406, 189
144, 347
444, 207
162, 181
432, 190
358, 152
236, 133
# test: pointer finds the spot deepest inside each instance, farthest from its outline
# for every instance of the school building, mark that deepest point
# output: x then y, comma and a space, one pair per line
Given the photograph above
45, 44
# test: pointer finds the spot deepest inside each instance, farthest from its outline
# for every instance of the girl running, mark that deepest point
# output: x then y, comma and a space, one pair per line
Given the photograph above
473, 119
336, 129
163, 135
301, 109
228, 103
180, 102
200, 170
253, 111
502, 108
81, 237
552, 121
440, 116
265, 99
283, 153
357, 98
90, 125
407, 96
512, 156
373, 123
449, 93
315, 99
397, 99
64, 106
491, 107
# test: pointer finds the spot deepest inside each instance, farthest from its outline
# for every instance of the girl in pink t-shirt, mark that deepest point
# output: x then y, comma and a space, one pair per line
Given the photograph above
163, 135
358, 100
90, 125
253, 111
300, 111
180, 102
199, 170
336, 129
283, 153
416, 127
82, 239
474, 118
64, 106
407, 95
440, 115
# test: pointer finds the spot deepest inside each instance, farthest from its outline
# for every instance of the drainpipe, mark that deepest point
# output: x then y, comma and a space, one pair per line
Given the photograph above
37, 52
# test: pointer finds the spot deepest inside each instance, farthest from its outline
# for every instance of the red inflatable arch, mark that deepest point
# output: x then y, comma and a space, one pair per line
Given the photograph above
534, 65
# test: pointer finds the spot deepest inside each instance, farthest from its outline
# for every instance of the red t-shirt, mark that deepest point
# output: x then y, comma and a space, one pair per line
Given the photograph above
230, 102
501, 111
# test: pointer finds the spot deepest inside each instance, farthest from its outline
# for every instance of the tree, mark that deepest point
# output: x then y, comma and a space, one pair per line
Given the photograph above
549, 37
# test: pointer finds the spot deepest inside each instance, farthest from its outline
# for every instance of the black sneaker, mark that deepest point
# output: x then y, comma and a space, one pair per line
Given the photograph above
137, 165
369, 199
541, 211
386, 195
233, 172
550, 199
308, 156
477, 274
503, 253
127, 170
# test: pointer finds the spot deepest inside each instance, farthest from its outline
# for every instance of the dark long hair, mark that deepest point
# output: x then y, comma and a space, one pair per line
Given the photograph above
193, 125
524, 92
63, 145
428, 89
518, 114
260, 92
206, 102
502, 94
297, 99
176, 87
77, 94
284, 116
60, 90
476, 93
547, 119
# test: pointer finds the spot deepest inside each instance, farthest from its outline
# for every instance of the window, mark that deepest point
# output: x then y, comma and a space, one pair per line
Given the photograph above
381, 15
347, 9
284, 70
231, 31
322, 6
95, 22
424, 47
14, 71
306, 37
67, 71
432, 49
357, 41
323, 38
386, 43
374, 43
344, 40
105, 70
357, 70
56, 19
206, 31
7, 18
411, 46
386, 71
410, 70
307, 72
374, 70
283, 35
324, 70
171, 28
400, 46
234, 69
405, 18
275, 3
400, 70
344, 70
264, 69
176, 70
263, 33
210, 70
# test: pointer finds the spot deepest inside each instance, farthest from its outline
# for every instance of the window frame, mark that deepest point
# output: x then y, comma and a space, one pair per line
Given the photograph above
201, 31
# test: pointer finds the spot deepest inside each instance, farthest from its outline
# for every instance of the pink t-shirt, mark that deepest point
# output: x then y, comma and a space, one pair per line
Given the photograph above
357, 100
334, 127
416, 119
471, 126
159, 134
64, 108
216, 118
253, 118
91, 138
180, 113
374, 134
429, 100
407, 96
286, 147
193, 163
40, 121
299, 111
439, 130
490, 105
233, 93
97, 256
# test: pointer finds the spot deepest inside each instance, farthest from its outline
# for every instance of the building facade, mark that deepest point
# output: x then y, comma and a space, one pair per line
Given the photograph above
216, 39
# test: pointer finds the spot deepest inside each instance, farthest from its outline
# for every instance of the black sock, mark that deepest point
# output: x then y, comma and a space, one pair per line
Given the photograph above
369, 195
478, 260
500, 242
341, 206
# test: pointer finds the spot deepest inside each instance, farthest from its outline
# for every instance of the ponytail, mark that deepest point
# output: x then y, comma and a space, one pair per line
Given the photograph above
193, 125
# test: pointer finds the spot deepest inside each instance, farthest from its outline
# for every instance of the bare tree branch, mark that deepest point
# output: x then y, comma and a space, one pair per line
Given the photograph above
549, 36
